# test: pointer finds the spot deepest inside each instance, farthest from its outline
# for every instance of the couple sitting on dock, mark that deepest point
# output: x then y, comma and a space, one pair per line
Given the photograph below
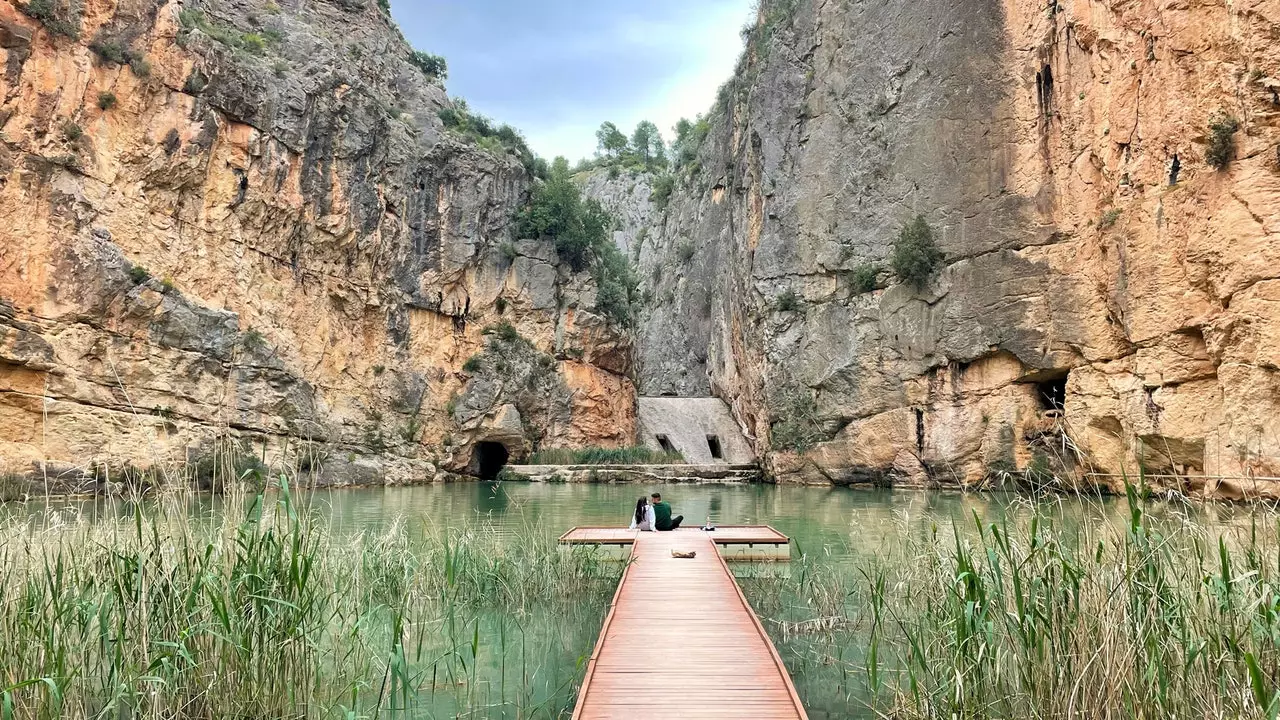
654, 514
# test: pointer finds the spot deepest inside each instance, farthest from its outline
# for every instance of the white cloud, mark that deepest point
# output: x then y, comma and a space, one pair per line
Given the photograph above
711, 41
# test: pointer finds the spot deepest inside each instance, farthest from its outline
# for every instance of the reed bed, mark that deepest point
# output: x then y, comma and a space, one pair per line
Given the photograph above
1028, 618
638, 455
270, 614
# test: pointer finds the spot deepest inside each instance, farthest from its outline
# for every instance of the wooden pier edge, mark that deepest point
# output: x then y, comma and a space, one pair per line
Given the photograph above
604, 632
773, 652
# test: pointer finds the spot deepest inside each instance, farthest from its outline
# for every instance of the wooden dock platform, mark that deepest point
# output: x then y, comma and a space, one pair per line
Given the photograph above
680, 640
722, 535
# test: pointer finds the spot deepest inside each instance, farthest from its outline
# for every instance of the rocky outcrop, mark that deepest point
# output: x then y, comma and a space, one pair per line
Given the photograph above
245, 220
1106, 305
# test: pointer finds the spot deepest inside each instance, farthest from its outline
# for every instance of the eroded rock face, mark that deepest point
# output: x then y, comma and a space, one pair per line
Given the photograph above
268, 237
1107, 302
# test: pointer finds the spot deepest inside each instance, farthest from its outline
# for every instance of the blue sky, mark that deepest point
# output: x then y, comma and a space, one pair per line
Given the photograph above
556, 69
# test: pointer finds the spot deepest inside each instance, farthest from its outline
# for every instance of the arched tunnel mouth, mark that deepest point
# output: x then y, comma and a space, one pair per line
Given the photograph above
488, 460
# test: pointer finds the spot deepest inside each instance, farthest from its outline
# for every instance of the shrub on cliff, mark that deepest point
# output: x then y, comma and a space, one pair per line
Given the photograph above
55, 19
482, 131
863, 279
1222, 144
663, 186
915, 253
580, 230
433, 66
109, 49
787, 301
794, 423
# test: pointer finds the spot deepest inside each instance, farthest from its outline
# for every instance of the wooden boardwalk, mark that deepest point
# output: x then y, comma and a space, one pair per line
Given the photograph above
680, 641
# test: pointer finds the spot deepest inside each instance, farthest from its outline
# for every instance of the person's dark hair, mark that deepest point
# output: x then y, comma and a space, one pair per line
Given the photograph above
656, 496
641, 506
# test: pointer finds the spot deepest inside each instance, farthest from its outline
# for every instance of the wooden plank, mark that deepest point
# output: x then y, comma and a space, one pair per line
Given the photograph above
681, 641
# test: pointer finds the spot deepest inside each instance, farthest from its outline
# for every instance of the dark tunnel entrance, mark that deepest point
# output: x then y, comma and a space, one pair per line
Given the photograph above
488, 459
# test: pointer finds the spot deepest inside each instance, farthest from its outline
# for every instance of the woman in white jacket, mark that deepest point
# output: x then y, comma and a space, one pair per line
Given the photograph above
642, 518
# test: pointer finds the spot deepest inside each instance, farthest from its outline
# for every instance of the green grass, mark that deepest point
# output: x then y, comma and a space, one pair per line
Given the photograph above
1032, 618
269, 613
638, 455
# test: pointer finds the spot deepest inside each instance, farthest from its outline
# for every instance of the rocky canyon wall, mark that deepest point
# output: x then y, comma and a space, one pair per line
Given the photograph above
1108, 303
242, 225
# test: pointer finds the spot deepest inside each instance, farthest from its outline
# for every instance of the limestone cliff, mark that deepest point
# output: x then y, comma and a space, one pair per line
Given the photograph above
1108, 302
243, 222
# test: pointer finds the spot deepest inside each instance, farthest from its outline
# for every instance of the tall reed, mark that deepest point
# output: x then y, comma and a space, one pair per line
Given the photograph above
1029, 618
270, 613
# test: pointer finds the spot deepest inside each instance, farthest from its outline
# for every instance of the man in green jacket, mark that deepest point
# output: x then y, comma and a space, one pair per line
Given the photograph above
662, 514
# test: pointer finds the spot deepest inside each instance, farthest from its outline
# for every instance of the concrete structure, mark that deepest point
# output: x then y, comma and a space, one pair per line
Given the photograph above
701, 429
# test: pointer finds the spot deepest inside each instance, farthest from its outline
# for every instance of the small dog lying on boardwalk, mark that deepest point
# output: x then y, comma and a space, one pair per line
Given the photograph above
678, 554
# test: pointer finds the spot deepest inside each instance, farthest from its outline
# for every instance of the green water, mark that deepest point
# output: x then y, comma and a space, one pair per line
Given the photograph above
529, 665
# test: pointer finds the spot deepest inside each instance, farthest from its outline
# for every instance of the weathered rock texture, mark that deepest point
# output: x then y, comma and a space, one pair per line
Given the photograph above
280, 244
1058, 151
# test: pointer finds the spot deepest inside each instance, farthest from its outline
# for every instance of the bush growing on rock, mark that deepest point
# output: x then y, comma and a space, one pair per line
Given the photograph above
433, 66
480, 130
106, 100
55, 19
787, 301
863, 279
663, 186
140, 67
915, 253
503, 331
109, 49
580, 230
794, 423
1222, 144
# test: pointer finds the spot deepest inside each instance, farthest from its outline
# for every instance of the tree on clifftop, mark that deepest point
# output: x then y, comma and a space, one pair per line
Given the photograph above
646, 143
610, 141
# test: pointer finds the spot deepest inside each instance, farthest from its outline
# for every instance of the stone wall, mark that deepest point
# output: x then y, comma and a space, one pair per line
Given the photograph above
688, 425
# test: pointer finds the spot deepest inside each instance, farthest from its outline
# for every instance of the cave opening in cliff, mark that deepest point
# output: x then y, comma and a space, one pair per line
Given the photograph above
1175, 167
488, 459
1052, 392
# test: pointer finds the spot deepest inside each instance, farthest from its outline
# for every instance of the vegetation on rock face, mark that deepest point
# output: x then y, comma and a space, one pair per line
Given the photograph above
787, 301
1222, 144
56, 18
863, 279
193, 20
638, 455
580, 230
433, 66
660, 194
483, 132
915, 255
109, 49
106, 100
690, 135
794, 422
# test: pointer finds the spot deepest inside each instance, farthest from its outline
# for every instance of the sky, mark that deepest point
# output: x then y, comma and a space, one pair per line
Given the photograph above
556, 69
